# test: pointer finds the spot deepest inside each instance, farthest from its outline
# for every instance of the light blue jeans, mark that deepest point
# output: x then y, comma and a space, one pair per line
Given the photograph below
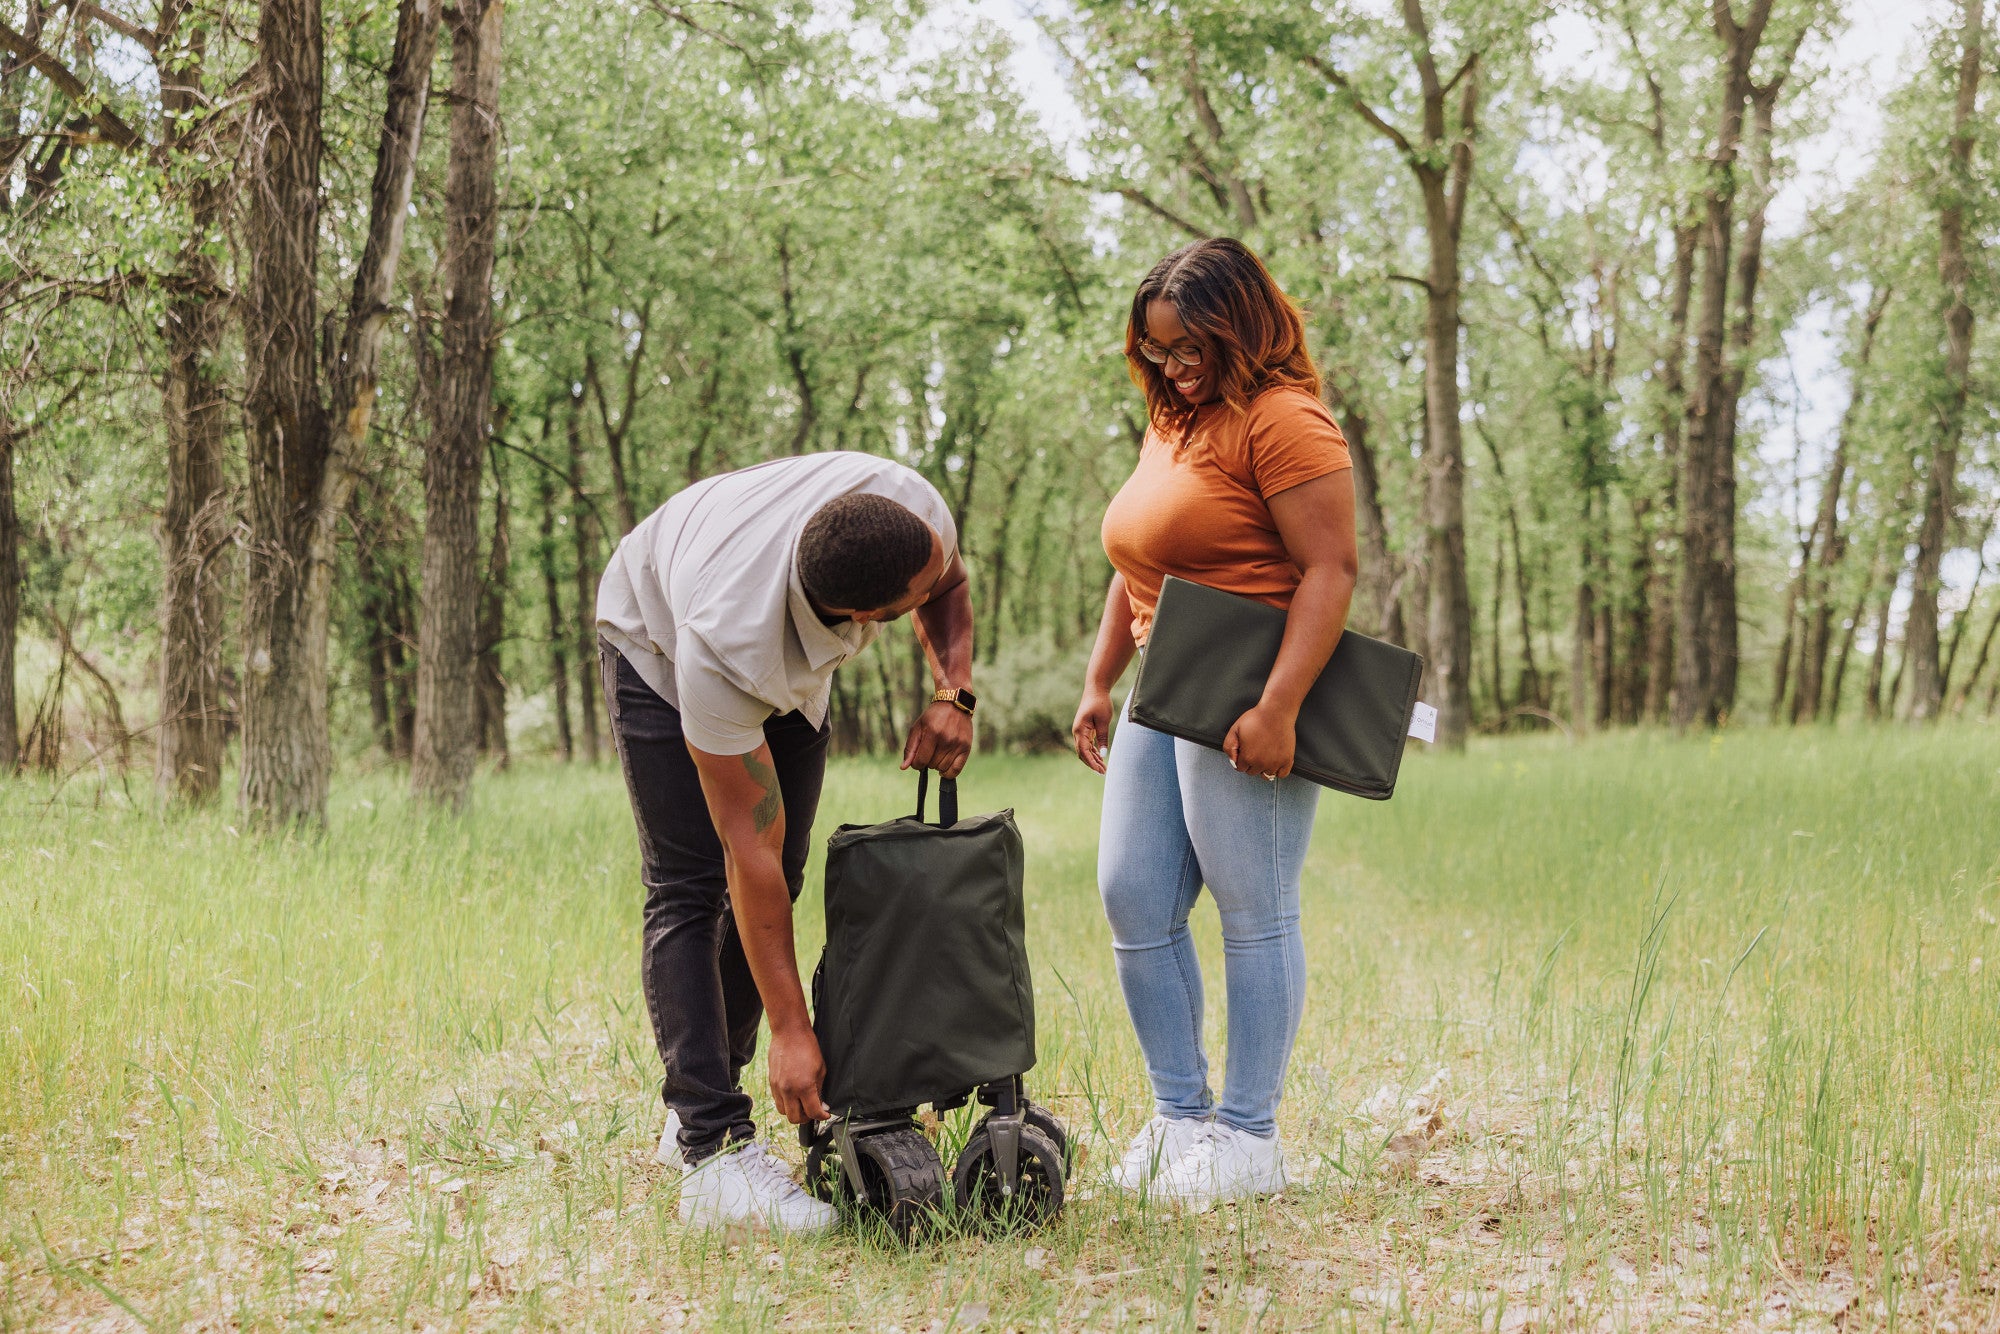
1177, 816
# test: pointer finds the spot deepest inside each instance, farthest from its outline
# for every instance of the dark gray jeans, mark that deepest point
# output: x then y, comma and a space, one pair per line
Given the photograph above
699, 992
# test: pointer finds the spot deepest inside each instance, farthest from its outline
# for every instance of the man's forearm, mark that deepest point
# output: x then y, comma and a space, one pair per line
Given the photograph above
762, 903
945, 625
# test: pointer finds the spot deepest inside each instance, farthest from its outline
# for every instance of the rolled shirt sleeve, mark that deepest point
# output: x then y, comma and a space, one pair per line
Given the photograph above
717, 715
1292, 439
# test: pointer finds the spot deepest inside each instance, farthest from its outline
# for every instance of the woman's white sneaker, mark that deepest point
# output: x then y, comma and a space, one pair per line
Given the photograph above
1224, 1163
747, 1187
1157, 1146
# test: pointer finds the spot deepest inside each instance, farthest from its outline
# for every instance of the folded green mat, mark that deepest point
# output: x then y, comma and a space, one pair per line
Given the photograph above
1205, 666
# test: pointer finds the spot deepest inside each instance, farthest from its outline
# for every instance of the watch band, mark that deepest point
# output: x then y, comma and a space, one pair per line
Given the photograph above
962, 700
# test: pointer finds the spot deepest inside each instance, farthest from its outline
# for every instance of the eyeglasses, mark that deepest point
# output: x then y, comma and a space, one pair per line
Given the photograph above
1160, 356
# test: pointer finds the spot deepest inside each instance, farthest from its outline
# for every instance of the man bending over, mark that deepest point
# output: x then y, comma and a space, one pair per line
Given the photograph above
721, 619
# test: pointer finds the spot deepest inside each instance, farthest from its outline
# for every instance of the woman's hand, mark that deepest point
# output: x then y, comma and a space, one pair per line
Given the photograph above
1262, 741
1092, 727
1108, 658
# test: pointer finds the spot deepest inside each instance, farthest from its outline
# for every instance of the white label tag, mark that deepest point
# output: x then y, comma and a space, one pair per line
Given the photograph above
1424, 722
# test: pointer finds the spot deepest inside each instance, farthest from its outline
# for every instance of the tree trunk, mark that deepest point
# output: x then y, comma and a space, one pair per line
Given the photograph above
1499, 641
615, 432
1450, 631
1896, 682
583, 525
286, 752
545, 559
448, 732
1441, 159
385, 609
303, 458
791, 342
1662, 592
1872, 702
1830, 710
1722, 629
1528, 689
380, 720
1963, 620
402, 672
10, 597
492, 681
194, 533
1636, 637
1828, 546
1701, 605
1920, 635
1978, 663
194, 527
996, 594
1584, 632
1781, 677
1378, 568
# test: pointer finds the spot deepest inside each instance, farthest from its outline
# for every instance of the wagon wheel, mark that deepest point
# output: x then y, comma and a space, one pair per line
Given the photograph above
824, 1177
900, 1171
1038, 1194
1044, 1120
903, 1175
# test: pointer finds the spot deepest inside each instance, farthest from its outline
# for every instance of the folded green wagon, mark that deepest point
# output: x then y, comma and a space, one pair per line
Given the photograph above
923, 996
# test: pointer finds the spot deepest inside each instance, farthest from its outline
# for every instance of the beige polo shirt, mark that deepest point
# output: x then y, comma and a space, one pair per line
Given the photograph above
703, 598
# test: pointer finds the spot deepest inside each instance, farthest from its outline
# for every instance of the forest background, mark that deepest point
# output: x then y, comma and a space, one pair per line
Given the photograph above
338, 345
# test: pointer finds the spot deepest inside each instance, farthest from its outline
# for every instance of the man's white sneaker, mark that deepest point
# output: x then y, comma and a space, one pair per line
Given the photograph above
1157, 1146
1224, 1163
669, 1152
748, 1187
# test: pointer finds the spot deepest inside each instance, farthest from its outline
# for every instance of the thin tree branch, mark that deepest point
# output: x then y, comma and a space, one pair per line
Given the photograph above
1368, 113
1146, 201
70, 86
145, 37
1461, 151
1463, 70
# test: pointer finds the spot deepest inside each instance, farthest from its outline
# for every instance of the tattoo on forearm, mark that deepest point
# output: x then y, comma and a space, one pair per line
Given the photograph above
771, 805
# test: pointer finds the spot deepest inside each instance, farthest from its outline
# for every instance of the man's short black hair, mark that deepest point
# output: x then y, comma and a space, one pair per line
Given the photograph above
860, 552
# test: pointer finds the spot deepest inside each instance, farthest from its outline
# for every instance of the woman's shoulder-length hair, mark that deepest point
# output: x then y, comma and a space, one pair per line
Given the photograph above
1229, 302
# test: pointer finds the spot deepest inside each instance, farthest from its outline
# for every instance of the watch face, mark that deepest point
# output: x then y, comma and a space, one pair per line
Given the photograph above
967, 700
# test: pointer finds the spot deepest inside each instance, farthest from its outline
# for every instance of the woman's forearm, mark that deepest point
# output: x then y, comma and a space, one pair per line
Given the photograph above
1313, 627
1114, 648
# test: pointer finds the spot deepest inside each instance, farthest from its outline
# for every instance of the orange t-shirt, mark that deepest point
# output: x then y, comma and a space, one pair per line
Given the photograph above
1198, 511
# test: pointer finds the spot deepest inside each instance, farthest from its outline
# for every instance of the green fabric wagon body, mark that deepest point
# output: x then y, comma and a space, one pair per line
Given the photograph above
923, 991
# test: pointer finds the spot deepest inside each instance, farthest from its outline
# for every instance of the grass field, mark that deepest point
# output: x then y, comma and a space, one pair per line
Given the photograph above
1637, 1033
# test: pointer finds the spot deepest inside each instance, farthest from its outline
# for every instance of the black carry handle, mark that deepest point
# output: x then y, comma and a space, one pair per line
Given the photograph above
947, 798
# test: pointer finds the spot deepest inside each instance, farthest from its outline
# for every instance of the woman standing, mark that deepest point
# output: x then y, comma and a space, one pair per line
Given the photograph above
1243, 485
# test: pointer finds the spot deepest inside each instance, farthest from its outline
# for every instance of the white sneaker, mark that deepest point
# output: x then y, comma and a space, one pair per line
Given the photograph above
1223, 1163
669, 1152
1157, 1146
748, 1187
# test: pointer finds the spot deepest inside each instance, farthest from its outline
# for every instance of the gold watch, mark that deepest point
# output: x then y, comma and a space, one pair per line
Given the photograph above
961, 699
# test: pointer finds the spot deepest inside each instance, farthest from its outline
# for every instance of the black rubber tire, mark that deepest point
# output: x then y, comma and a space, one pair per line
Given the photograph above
904, 1177
1044, 1120
975, 1183
824, 1178
900, 1168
